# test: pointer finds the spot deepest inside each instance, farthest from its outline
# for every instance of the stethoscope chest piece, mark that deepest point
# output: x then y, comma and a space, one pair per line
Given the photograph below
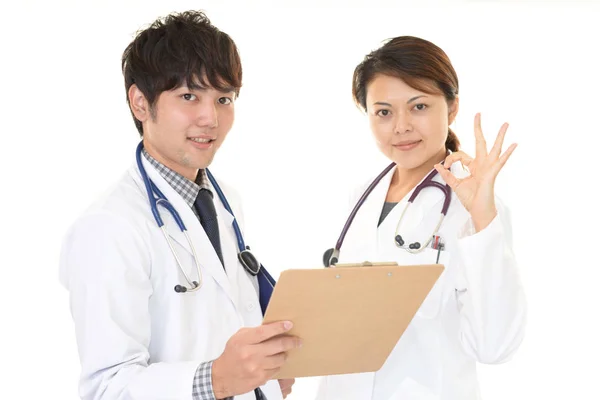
249, 262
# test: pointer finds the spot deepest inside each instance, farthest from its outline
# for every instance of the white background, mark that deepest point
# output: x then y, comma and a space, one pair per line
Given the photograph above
297, 147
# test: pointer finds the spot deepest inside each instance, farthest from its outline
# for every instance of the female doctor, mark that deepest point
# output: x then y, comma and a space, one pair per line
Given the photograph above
476, 310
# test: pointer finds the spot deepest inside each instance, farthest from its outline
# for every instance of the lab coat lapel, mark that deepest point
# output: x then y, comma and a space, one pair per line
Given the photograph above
207, 256
362, 235
229, 245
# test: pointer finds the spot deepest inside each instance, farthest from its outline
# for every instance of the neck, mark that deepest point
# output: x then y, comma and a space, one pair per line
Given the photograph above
189, 173
405, 179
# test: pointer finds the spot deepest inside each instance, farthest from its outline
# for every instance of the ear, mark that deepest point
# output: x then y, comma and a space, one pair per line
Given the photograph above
453, 110
138, 104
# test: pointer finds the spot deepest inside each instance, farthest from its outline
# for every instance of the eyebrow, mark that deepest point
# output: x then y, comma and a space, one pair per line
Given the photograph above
382, 103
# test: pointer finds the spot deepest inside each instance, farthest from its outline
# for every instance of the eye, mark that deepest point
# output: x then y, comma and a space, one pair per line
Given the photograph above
421, 106
383, 113
188, 96
225, 100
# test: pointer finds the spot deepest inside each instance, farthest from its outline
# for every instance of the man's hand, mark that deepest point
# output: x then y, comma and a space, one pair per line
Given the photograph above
252, 356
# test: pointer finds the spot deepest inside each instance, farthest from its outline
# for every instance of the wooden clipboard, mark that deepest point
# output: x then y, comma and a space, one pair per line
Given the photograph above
349, 317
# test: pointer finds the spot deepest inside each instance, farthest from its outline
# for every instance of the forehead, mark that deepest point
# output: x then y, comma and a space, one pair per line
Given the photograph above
391, 87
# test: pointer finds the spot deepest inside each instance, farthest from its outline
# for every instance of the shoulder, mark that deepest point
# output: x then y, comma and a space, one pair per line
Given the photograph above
123, 200
359, 189
111, 217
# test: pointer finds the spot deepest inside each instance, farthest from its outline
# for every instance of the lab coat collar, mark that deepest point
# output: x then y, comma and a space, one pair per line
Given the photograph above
430, 200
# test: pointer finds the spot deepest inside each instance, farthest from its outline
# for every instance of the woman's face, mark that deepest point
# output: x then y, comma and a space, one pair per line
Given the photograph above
409, 126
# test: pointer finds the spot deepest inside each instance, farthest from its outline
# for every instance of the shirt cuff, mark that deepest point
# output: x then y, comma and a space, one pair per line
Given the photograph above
202, 389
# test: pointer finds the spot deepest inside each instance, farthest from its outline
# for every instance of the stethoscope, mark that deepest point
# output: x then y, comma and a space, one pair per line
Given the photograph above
331, 256
246, 258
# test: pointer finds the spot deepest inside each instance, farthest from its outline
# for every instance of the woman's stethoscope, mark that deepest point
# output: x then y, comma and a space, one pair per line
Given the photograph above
246, 258
331, 256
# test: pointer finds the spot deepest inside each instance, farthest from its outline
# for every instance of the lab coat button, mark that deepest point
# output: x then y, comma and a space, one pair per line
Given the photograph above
250, 306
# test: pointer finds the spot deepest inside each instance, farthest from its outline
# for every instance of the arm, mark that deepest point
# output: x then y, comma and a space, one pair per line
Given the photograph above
490, 296
489, 292
106, 267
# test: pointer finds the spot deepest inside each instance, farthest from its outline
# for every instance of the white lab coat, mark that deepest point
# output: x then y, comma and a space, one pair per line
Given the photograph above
137, 338
475, 312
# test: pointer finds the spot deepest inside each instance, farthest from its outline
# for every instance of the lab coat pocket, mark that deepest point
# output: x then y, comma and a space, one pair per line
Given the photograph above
439, 294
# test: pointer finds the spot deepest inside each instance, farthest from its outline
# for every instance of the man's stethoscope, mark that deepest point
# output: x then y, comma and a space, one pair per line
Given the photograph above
331, 256
156, 198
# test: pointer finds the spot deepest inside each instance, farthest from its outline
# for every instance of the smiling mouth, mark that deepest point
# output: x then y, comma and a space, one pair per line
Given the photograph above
202, 140
407, 145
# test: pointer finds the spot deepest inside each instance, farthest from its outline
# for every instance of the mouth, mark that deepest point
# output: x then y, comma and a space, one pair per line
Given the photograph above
203, 142
407, 145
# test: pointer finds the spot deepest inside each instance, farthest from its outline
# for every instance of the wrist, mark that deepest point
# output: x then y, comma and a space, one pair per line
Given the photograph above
219, 386
482, 220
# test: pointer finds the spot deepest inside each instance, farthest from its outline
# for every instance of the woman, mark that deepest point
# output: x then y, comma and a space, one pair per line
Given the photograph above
476, 310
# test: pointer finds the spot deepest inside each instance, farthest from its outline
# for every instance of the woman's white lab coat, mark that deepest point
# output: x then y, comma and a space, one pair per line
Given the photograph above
475, 312
137, 338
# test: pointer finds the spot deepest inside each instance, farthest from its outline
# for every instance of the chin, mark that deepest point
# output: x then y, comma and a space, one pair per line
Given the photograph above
406, 161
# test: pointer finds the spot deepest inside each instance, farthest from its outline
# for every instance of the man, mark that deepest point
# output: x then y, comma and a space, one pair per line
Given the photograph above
139, 338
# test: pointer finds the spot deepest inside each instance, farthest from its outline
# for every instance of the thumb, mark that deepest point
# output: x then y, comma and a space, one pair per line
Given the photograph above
447, 176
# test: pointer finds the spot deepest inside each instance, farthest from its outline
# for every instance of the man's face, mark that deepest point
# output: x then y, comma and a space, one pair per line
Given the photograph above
186, 126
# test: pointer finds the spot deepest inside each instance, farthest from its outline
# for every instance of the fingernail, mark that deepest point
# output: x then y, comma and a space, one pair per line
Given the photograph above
287, 325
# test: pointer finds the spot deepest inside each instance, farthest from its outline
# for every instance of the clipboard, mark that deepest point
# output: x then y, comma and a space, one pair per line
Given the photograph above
350, 316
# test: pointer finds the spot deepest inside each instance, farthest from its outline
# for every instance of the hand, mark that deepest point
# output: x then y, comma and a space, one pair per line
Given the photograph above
476, 192
252, 356
286, 386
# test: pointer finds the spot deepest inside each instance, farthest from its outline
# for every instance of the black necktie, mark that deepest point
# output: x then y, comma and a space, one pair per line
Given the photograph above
208, 219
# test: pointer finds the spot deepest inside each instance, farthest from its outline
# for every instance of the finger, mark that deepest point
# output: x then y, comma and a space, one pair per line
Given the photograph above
495, 151
270, 373
461, 156
267, 331
279, 344
286, 383
286, 392
274, 361
480, 145
447, 176
503, 159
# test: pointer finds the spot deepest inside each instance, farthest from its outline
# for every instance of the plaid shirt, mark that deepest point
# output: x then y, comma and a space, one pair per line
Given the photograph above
202, 386
183, 186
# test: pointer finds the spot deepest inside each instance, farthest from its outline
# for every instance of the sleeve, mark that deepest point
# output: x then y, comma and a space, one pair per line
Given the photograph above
105, 265
203, 389
490, 295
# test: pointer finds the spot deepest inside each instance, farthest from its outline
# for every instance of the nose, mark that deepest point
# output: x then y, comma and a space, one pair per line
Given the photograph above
403, 123
207, 115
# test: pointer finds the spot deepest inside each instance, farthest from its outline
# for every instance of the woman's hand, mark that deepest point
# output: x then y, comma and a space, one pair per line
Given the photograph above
476, 192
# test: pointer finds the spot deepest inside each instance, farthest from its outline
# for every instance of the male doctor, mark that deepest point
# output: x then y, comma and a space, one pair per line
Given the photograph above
138, 338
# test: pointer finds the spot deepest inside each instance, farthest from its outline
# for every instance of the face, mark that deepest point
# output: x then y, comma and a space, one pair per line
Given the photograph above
186, 127
409, 126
